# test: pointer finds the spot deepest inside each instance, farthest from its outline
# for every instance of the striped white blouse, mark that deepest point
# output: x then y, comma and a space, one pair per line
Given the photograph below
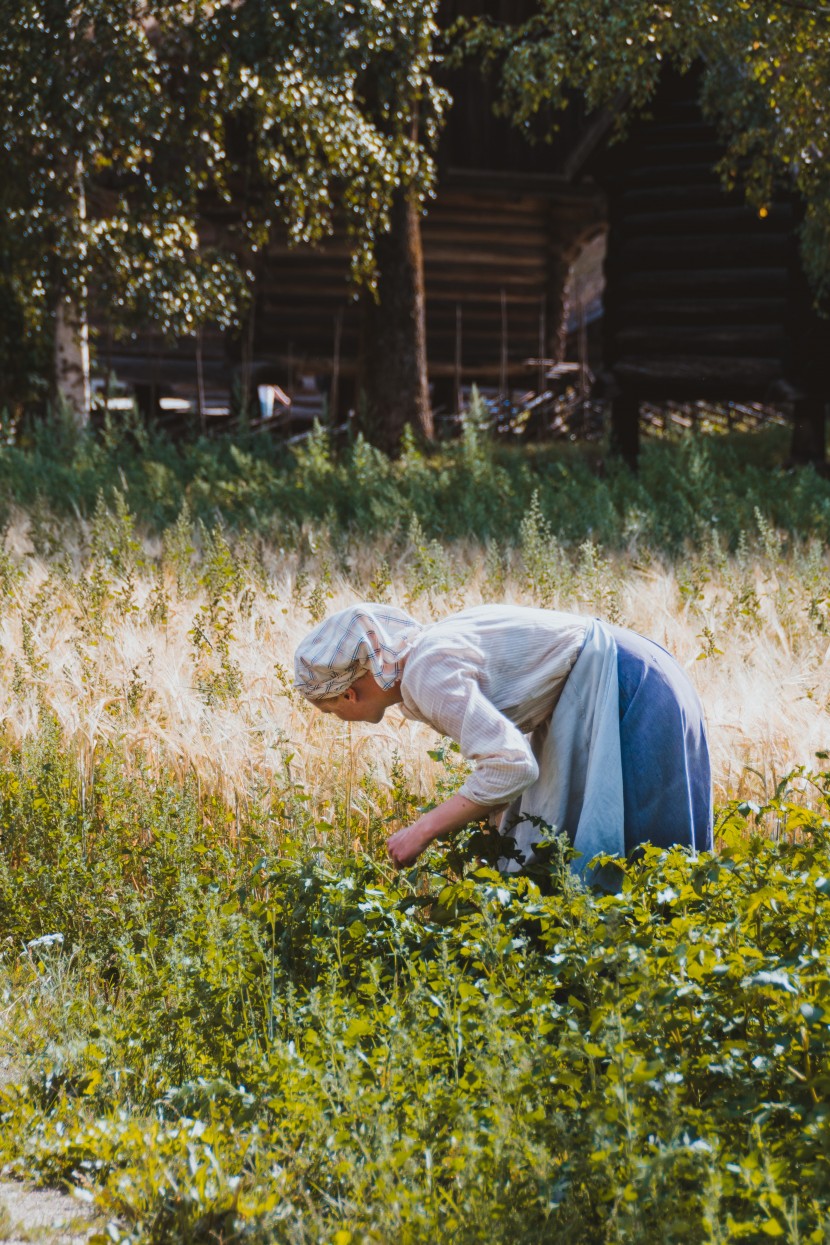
486, 677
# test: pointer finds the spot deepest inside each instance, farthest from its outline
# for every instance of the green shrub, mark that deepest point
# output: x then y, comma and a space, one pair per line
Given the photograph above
272, 1037
472, 488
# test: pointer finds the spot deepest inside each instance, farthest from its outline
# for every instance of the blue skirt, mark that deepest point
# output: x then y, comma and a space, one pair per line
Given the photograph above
667, 781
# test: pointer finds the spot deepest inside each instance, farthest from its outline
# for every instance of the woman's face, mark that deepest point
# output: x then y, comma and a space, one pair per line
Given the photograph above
364, 701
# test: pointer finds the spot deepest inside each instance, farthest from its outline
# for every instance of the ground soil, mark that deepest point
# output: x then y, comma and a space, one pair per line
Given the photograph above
43, 1216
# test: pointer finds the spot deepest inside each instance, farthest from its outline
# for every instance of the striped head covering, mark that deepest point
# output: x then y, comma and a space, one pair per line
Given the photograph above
342, 648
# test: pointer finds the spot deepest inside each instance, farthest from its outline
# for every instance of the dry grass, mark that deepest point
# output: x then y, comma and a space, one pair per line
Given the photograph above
181, 654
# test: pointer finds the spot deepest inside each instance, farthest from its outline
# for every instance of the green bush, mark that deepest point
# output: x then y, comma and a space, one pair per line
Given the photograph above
471, 488
269, 1036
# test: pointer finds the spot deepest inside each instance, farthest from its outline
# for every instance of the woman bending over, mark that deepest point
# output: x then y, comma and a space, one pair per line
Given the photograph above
589, 727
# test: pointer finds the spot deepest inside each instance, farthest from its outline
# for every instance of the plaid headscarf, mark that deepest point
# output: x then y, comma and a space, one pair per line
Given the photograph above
342, 648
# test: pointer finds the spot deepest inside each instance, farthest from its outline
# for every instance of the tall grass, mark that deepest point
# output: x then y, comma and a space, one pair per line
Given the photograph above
468, 489
179, 646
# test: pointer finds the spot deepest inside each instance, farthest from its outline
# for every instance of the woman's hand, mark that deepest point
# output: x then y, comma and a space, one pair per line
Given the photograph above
405, 846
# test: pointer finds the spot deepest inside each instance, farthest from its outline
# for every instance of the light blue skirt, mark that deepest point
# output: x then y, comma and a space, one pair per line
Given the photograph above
667, 781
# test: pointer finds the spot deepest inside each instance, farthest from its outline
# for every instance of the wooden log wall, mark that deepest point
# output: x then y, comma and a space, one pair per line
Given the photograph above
497, 240
705, 297
481, 242
497, 250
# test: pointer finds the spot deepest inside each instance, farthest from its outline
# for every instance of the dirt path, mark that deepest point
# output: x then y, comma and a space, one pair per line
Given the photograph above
44, 1216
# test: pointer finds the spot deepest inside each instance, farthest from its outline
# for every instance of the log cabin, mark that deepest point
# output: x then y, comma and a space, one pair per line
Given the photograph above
703, 298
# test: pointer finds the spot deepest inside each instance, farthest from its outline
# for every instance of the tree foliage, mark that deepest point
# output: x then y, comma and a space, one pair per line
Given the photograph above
766, 82
272, 1038
342, 108
103, 168
123, 120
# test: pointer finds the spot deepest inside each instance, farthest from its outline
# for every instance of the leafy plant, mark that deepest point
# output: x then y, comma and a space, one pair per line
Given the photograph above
272, 1036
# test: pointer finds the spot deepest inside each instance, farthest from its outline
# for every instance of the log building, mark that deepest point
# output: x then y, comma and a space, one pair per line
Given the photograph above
703, 297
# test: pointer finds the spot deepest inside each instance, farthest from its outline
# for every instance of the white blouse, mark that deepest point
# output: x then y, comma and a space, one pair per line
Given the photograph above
486, 677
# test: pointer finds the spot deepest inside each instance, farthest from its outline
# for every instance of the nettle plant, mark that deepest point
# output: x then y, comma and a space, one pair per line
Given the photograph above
270, 1035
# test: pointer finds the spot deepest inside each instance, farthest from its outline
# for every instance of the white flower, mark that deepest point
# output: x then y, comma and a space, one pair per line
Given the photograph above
45, 940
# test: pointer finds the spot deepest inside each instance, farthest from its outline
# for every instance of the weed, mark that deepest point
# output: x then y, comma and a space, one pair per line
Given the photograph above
546, 567
254, 1028
276, 1037
430, 570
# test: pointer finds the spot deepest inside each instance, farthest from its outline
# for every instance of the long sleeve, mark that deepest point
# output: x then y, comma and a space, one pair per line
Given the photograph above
444, 691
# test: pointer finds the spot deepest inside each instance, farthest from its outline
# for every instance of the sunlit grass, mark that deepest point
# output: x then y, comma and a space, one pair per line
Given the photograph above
179, 650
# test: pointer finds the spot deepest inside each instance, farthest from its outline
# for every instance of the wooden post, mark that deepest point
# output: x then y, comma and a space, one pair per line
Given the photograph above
289, 423
503, 357
809, 439
583, 349
248, 360
335, 368
155, 407
108, 370
543, 332
459, 400
200, 383
625, 428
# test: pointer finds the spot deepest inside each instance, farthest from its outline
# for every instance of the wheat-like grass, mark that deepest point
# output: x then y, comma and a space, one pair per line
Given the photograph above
128, 668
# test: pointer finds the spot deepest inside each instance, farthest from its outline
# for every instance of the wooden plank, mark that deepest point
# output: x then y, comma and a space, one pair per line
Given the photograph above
479, 202
505, 238
473, 256
478, 283
723, 310
730, 219
672, 175
479, 369
742, 340
518, 320
520, 344
703, 281
679, 133
649, 198
654, 149
707, 372
317, 266
333, 250
518, 314
498, 184
690, 251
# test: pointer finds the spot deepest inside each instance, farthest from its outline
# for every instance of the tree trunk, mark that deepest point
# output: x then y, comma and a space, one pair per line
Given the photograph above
395, 389
809, 438
72, 383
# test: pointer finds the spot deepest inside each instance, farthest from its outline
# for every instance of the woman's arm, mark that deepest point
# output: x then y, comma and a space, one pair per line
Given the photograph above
406, 845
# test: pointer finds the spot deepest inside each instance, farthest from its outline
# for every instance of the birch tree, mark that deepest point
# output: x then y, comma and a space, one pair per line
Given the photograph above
345, 112
92, 197
123, 122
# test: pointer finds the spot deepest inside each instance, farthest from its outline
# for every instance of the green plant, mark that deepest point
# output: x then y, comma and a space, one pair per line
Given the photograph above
274, 1036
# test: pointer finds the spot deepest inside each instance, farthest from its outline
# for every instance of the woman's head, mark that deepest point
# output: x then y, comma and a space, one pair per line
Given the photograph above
363, 701
365, 641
